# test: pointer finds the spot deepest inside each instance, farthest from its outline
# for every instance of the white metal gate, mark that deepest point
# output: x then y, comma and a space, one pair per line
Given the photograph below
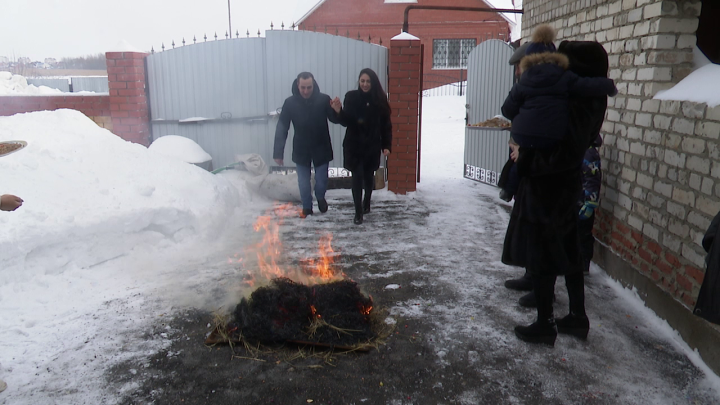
490, 78
225, 94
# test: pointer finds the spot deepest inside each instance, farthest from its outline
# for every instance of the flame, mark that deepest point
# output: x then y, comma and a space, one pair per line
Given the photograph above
269, 253
365, 310
323, 266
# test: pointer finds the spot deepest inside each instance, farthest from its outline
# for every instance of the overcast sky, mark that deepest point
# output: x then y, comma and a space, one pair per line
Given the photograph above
40, 29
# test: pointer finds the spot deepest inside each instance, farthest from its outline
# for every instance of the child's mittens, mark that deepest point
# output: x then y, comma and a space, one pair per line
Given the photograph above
586, 211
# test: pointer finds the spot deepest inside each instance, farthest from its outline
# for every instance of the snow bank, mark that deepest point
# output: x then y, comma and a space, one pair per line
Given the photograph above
79, 209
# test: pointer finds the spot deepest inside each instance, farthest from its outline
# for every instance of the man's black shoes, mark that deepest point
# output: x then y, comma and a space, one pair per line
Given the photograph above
322, 205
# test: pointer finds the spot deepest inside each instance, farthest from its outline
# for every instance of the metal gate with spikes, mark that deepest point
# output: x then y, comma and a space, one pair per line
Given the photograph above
225, 94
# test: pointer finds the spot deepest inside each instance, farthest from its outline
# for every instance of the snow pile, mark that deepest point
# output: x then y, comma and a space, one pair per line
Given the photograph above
181, 148
91, 196
16, 85
700, 86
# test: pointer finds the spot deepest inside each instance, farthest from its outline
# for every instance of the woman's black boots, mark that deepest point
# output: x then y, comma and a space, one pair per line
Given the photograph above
576, 323
543, 330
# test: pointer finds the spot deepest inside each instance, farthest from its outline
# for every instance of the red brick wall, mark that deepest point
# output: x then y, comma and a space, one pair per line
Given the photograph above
128, 98
377, 20
672, 273
95, 107
403, 86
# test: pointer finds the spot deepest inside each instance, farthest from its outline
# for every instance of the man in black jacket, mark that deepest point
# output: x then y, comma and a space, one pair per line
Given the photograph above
708, 301
309, 110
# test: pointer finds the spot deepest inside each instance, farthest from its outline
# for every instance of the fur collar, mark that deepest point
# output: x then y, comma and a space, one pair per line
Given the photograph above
546, 57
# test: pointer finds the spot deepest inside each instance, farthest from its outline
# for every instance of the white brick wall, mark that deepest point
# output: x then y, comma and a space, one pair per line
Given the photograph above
661, 158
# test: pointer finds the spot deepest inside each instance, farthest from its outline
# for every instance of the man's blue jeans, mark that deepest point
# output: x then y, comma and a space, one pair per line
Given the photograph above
321, 182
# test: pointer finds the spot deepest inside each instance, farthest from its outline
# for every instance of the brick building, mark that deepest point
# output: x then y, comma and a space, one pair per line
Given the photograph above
448, 36
661, 158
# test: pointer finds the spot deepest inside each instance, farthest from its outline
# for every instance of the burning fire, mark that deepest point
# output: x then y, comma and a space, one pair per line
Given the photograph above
269, 251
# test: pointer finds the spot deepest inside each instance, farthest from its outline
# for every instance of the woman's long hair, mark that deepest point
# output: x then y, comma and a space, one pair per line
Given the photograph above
377, 94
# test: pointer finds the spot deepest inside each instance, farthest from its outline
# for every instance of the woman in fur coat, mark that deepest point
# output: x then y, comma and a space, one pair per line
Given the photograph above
366, 114
553, 134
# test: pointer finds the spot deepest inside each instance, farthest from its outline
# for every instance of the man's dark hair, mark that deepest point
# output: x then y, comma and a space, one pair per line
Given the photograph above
305, 76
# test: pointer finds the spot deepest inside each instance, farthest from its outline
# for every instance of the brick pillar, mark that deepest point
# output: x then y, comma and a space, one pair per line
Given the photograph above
129, 107
403, 88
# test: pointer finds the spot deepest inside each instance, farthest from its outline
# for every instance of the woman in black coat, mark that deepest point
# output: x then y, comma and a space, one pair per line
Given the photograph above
542, 233
708, 301
366, 114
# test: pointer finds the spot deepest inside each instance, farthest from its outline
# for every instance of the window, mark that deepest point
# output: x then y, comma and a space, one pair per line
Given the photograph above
452, 53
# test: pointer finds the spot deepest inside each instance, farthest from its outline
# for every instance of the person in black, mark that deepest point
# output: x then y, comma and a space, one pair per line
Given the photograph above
542, 234
366, 115
708, 300
309, 110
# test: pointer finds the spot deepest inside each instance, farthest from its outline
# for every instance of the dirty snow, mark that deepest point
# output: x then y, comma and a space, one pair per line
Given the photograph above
113, 239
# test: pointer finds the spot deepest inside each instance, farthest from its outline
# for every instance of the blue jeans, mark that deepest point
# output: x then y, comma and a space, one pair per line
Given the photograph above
321, 182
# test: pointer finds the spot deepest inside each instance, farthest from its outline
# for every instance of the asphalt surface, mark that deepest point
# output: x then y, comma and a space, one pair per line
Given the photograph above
452, 341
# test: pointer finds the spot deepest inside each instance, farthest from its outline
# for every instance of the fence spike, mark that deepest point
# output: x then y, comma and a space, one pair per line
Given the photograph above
336, 31
248, 33
271, 26
258, 33
163, 46
347, 33
358, 34
326, 29
205, 37
173, 44
293, 26
152, 50
282, 25
237, 34
183, 41
369, 39
194, 40
216, 35
226, 35
380, 40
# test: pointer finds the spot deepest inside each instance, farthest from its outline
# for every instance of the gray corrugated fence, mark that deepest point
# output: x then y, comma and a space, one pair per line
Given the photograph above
97, 84
490, 78
225, 94
60, 84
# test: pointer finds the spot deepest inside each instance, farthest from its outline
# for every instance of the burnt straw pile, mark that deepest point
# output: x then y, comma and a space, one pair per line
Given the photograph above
334, 314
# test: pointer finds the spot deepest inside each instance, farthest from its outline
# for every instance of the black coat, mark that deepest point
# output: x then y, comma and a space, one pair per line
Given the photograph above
538, 104
369, 131
542, 233
311, 142
708, 301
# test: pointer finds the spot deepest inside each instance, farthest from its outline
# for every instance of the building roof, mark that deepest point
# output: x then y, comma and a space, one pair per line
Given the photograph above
312, 5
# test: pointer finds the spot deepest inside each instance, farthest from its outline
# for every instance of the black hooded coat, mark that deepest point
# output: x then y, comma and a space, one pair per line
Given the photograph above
311, 142
708, 301
542, 233
369, 131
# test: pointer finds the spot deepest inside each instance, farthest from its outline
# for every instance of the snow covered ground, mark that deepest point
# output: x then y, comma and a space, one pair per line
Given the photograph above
113, 239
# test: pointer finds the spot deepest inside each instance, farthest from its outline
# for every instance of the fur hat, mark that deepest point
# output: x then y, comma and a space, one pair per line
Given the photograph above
542, 40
